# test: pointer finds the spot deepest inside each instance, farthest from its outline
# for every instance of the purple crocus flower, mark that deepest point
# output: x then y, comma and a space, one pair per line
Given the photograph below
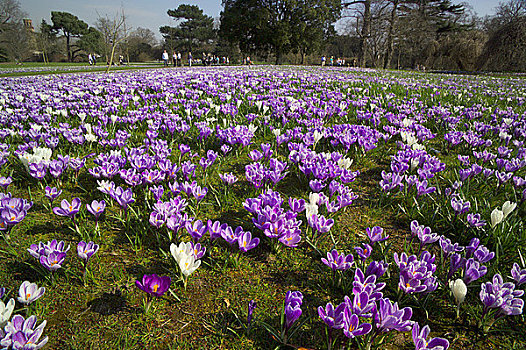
426, 236
474, 271
123, 197
157, 192
246, 242
338, 261
447, 247
251, 307
293, 301
518, 274
154, 285
68, 209
420, 339
196, 230
184, 149
416, 275
352, 327
198, 250
483, 255
29, 292
11, 217
376, 268
501, 296
389, 316
53, 261
472, 247
375, 234
225, 149
333, 317
21, 333
296, 205
96, 208
475, 220
5, 182
214, 228
52, 193
228, 178
45, 249
86, 250
365, 252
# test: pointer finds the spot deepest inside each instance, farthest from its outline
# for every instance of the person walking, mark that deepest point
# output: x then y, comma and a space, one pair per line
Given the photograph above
179, 60
165, 58
174, 59
90, 59
323, 59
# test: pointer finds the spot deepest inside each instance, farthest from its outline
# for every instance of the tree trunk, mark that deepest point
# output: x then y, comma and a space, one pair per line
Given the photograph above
366, 29
68, 48
390, 34
279, 57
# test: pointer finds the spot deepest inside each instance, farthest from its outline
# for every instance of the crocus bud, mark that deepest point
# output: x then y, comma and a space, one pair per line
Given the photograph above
496, 217
459, 290
508, 207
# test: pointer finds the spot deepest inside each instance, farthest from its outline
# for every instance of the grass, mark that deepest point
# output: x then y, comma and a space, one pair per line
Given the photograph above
105, 311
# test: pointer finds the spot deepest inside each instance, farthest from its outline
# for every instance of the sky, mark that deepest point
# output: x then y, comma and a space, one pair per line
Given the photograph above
151, 14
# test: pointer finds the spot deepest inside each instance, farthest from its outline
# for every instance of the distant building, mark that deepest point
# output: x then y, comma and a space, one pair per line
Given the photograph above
28, 24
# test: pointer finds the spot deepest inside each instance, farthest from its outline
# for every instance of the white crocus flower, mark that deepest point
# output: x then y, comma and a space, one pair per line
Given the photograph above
181, 251
310, 209
345, 163
496, 217
317, 136
276, 132
314, 198
414, 163
507, 208
188, 265
5, 311
459, 290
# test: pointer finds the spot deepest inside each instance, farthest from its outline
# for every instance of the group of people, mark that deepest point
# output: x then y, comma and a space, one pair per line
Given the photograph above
207, 60
92, 59
332, 62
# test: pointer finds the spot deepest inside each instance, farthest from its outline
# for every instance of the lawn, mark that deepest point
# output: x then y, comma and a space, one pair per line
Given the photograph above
355, 187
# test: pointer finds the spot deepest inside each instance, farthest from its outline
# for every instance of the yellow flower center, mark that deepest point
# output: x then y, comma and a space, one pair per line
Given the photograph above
155, 287
351, 328
28, 295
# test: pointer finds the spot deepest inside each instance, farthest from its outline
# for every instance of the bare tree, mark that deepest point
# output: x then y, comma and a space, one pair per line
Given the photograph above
14, 36
363, 7
114, 32
10, 13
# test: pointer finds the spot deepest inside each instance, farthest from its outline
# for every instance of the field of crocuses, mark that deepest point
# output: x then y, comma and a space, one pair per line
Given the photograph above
259, 208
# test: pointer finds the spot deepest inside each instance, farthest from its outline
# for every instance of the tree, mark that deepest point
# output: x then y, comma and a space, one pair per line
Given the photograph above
195, 30
505, 49
366, 26
113, 33
14, 37
246, 24
141, 42
90, 42
71, 26
278, 25
45, 39
10, 13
